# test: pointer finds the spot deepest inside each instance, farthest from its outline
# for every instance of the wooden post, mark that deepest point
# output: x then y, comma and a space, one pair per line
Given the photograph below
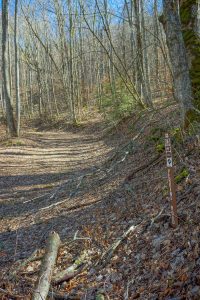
172, 187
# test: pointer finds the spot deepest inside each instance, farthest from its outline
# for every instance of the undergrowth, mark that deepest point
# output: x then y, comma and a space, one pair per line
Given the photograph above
116, 107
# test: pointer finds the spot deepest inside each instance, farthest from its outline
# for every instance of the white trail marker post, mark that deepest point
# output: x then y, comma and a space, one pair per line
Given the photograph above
172, 187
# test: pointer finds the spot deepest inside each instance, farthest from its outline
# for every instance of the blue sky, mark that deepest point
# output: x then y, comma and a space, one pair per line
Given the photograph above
116, 4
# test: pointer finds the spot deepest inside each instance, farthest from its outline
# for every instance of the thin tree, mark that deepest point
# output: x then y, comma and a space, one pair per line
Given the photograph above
5, 70
18, 103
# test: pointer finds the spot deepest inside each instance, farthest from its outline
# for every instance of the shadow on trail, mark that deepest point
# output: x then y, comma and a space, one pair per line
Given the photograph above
9, 182
26, 240
24, 201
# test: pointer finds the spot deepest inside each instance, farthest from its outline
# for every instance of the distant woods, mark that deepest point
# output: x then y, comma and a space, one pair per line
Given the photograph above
63, 58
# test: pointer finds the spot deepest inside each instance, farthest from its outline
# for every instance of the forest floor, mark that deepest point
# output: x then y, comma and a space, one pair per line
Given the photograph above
90, 185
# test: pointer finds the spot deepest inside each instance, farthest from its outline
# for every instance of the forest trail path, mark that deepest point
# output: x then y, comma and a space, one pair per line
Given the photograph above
31, 173
96, 187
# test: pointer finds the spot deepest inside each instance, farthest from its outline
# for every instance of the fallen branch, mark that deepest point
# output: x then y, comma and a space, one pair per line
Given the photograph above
58, 188
43, 284
157, 217
36, 198
73, 193
71, 271
109, 253
155, 160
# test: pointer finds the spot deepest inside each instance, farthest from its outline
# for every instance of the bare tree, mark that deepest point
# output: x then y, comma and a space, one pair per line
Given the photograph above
5, 70
18, 103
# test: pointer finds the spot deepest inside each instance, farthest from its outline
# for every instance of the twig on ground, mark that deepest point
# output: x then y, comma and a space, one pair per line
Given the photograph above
106, 256
153, 220
36, 198
73, 193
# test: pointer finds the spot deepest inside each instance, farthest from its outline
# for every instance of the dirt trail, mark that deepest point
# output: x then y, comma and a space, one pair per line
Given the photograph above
35, 170
99, 199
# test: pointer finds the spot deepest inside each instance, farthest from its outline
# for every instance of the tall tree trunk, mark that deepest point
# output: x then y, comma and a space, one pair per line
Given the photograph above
10, 62
156, 36
142, 89
18, 104
5, 70
30, 90
71, 63
177, 52
190, 21
145, 65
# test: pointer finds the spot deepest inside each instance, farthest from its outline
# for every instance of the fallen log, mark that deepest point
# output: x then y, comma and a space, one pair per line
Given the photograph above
44, 280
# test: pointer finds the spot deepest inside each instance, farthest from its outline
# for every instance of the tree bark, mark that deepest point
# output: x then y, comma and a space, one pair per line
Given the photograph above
18, 104
5, 70
190, 22
44, 280
178, 56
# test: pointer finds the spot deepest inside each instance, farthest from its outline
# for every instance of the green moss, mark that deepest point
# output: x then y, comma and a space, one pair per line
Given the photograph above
186, 11
182, 175
77, 124
18, 143
194, 129
191, 117
157, 137
156, 134
177, 135
99, 297
160, 148
13, 143
154, 138
192, 42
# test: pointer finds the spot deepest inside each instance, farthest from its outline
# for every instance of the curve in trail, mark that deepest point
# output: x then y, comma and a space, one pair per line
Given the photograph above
32, 171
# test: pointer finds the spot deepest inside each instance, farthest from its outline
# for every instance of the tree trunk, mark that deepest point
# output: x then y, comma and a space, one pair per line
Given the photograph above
145, 66
5, 70
178, 56
156, 36
142, 88
18, 104
190, 22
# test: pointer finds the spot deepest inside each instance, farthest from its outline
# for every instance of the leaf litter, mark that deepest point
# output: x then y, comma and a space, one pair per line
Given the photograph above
95, 188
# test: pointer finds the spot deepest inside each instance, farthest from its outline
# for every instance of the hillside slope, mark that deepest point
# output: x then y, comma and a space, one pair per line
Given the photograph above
91, 188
